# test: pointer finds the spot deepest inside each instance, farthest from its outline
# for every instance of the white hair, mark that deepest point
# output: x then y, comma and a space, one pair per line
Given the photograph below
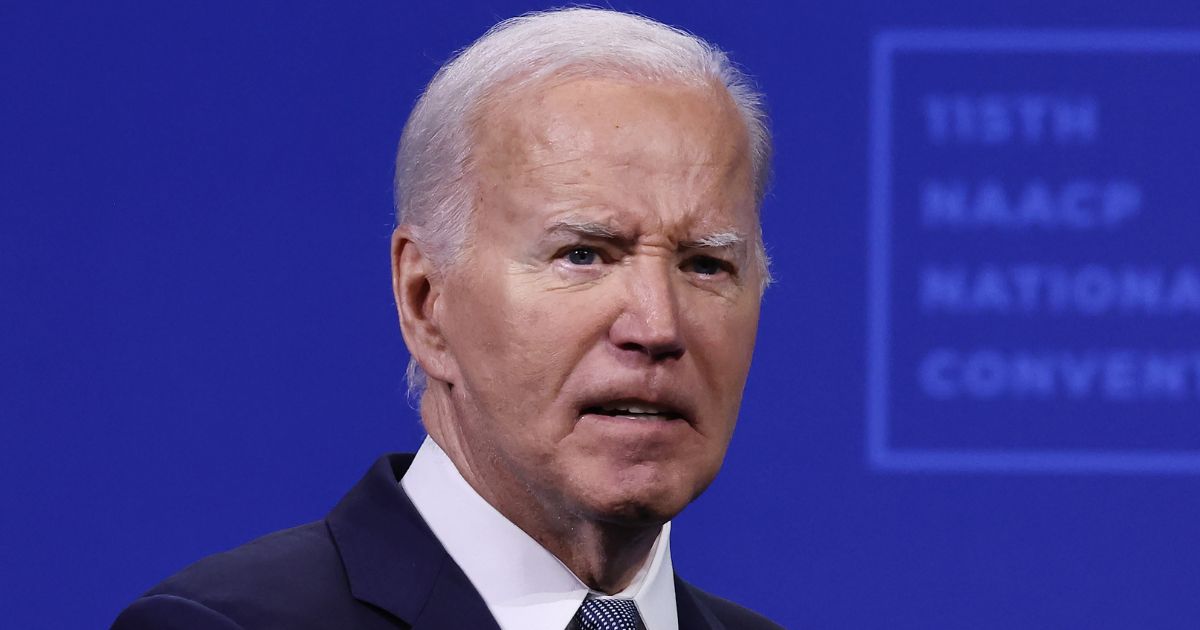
434, 197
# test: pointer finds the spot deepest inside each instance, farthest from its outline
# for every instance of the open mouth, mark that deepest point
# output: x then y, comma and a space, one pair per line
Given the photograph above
634, 409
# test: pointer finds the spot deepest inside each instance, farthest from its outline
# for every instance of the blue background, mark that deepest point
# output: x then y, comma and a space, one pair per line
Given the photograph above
198, 343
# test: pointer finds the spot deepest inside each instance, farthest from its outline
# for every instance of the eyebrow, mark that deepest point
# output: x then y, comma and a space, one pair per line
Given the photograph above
729, 240
584, 227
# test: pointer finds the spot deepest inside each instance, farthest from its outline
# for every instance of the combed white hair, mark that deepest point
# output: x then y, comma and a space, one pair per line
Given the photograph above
434, 197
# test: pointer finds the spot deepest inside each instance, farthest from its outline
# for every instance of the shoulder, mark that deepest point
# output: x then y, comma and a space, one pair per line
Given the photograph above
152, 612
731, 615
289, 565
292, 577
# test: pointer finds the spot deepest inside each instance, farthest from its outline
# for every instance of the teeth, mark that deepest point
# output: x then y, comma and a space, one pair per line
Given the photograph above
633, 409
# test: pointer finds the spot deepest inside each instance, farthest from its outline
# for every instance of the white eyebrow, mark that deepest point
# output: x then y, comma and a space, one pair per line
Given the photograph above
584, 227
728, 239
721, 239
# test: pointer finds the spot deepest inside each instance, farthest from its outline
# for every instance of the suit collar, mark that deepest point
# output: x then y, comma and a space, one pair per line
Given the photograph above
394, 562
522, 582
694, 613
392, 559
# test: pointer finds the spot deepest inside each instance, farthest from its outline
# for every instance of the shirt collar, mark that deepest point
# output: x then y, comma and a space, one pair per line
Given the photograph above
523, 584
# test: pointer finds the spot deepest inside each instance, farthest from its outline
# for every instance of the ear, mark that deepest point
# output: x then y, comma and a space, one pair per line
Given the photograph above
418, 290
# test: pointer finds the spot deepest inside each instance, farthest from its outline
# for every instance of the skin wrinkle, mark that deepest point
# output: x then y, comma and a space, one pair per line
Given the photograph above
528, 339
572, 228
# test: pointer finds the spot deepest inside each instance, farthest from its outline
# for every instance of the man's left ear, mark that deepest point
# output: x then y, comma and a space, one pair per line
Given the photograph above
417, 287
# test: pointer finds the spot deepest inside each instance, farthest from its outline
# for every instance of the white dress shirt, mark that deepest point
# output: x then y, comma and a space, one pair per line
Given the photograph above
524, 586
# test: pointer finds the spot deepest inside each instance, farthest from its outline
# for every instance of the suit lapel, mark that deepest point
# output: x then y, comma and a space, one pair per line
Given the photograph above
693, 613
454, 604
392, 559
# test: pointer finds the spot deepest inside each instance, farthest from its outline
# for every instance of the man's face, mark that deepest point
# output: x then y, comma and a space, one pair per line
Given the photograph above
601, 321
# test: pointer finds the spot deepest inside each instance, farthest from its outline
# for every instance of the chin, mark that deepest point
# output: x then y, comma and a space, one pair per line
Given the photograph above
643, 502
635, 513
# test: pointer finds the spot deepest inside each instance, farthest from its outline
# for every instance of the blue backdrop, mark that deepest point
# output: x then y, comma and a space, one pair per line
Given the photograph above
974, 400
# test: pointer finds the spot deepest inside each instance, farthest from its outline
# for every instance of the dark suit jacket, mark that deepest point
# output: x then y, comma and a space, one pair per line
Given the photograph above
372, 563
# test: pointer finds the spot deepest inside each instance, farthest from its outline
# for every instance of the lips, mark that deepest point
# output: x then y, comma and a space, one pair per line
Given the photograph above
634, 408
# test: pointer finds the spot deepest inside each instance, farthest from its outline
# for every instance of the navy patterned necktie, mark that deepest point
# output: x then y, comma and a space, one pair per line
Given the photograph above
608, 614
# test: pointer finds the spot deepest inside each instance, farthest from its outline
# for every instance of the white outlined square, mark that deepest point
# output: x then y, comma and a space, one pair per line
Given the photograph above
880, 454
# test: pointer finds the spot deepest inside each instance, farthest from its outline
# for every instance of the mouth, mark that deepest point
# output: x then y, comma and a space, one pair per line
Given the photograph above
636, 410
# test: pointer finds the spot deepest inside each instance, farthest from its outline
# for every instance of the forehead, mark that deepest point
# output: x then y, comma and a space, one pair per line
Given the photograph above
679, 150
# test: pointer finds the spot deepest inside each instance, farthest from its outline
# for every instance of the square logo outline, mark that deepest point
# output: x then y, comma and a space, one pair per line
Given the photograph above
881, 456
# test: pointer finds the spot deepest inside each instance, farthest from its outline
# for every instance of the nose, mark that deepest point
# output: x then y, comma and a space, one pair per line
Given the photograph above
649, 323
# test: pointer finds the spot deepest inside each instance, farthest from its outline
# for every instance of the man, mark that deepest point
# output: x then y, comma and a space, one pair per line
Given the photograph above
578, 270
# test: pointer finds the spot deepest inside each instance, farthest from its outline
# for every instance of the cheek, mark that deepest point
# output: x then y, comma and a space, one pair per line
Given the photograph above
518, 337
723, 341
726, 327
557, 330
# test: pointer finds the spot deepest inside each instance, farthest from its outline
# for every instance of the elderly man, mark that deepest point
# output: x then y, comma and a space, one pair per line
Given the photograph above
578, 269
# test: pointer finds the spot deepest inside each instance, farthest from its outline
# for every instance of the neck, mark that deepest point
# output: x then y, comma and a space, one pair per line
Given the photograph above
604, 555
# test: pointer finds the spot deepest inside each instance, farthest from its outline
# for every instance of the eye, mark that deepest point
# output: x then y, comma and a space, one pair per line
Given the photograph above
706, 265
582, 256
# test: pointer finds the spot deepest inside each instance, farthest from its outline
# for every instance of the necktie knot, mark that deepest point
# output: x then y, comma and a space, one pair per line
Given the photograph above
609, 614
